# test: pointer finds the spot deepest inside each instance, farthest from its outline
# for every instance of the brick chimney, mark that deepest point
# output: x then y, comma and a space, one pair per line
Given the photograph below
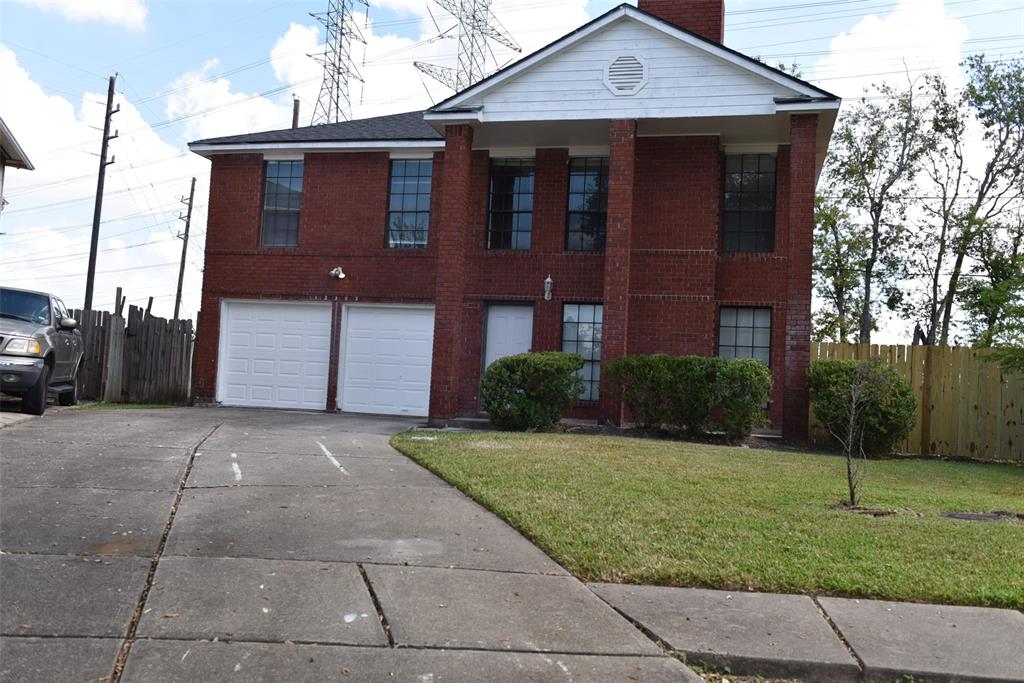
706, 18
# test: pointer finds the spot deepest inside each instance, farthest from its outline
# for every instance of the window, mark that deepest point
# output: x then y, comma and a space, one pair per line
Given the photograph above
587, 218
511, 220
745, 333
581, 333
749, 203
282, 195
409, 203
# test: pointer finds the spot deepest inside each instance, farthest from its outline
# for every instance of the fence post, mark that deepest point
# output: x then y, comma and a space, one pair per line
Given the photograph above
926, 402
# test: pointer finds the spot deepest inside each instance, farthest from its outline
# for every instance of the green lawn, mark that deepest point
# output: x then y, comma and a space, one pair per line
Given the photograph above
671, 513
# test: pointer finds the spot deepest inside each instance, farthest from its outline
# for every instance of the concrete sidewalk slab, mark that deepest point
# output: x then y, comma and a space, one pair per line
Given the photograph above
454, 608
931, 642
262, 600
187, 662
83, 521
342, 444
747, 633
93, 467
158, 427
51, 595
270, 469
57, 660
436, 527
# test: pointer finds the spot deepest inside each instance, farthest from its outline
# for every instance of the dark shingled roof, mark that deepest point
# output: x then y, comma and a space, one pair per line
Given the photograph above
407, 126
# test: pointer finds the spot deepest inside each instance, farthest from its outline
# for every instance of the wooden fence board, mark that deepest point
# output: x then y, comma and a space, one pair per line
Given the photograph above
966, 405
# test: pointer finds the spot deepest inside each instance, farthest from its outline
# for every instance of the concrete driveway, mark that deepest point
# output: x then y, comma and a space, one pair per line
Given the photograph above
207, 544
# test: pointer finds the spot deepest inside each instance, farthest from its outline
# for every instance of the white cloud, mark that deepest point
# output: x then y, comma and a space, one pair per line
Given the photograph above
128, 13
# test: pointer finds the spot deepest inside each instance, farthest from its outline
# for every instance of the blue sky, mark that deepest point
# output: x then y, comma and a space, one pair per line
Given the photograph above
191, 69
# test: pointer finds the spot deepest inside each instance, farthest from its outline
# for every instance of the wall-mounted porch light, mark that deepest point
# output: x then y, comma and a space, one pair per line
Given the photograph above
549, 285
338, 273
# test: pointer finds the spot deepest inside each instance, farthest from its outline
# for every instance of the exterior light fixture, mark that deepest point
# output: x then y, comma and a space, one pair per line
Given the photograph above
549, 285
338, 273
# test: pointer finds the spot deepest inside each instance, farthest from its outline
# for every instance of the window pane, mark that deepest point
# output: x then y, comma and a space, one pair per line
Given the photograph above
749, 201
511, 204
409, 203
745, 333
587, 214
583, 338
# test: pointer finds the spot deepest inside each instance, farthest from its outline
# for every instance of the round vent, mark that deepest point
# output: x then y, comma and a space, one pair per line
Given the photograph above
626, 75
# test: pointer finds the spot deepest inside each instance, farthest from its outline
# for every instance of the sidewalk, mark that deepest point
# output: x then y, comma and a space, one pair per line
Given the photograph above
826, 639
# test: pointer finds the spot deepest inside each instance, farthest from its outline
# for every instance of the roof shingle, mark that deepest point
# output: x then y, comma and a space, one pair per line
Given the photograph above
407, 126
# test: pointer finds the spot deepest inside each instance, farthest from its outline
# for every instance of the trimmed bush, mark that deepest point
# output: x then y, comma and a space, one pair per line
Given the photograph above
531, 390
641, 382
694, 394
882, 402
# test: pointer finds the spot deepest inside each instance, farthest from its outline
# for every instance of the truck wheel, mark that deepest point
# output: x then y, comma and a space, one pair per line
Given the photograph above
70, 398
34, 400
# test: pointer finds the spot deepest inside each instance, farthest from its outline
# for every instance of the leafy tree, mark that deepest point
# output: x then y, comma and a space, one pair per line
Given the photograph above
840, 250
994, 298
876, 155
962, 216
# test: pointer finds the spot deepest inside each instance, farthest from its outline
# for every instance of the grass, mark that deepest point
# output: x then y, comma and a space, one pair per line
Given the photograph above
681, 514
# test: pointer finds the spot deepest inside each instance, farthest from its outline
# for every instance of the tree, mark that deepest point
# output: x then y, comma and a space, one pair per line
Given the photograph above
840, 250
876, 154
965, 207
993, 299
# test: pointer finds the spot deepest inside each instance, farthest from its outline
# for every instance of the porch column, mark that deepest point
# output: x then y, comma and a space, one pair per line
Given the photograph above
618, 242
802, 144
451, 233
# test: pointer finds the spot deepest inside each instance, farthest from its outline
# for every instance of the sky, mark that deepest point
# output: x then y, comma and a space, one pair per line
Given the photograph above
190, 69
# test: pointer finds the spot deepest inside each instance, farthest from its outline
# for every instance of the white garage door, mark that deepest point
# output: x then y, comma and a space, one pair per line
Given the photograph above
274, 355
386, 356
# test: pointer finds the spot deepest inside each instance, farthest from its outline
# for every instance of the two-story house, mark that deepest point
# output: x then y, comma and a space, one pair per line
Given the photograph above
634, 187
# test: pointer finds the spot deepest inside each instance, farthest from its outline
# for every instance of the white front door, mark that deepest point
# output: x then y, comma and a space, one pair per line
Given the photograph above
274, 354
509, 332
386, 357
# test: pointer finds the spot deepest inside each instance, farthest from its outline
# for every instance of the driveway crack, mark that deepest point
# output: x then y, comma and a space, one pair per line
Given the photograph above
129, 639
377, 606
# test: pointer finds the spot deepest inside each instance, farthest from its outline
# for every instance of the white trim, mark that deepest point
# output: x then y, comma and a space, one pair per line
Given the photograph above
809, 106
222, 347
368, 145
339, 392
18, 156
767, 148
513, 152
412, 155
283, 156
610, 18
589, 151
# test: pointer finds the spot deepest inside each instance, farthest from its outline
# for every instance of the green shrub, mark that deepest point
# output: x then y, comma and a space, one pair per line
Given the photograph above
882, 403
641, 383
531, 390
694, 394
690, 393
742, 389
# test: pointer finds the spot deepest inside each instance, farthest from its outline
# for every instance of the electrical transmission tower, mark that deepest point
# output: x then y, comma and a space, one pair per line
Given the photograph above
334, 103
477, 26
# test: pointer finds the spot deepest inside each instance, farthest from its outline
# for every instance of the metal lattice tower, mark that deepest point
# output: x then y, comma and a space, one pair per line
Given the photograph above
477, 25
334, 103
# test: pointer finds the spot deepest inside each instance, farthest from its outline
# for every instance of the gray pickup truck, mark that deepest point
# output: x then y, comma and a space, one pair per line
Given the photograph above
40, 349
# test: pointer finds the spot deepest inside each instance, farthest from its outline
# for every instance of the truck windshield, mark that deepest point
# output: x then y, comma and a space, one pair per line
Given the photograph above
33, 308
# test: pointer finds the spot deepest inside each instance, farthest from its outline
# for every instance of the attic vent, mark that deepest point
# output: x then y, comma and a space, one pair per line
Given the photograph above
626, 75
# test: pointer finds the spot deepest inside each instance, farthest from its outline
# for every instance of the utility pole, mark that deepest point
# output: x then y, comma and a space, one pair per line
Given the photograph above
98, 210
295, 111
184, 245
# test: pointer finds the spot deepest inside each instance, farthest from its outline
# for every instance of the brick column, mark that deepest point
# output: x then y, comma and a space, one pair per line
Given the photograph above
802, 143
621, 175
451, 233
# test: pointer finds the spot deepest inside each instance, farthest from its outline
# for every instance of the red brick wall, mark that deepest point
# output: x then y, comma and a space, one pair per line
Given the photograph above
703, 17
663, 277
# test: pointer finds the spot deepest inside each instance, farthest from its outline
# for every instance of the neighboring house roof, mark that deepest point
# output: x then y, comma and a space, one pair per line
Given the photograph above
407, 127
11, 153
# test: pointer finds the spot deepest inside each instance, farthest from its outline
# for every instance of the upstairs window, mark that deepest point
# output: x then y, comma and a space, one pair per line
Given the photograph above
587, 217
409, 203
745, 333
282, 196
749, 203
510, 225
582, 325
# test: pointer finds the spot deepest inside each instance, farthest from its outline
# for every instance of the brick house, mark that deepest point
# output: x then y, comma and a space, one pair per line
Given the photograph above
634, 187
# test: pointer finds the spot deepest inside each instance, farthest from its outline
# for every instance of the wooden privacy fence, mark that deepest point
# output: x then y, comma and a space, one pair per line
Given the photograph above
966, 406
146, 360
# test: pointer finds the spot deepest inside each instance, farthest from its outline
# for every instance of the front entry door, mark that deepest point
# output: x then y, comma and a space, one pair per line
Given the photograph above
509, 332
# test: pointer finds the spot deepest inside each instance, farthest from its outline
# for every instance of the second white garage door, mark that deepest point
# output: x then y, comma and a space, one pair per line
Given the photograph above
386, 357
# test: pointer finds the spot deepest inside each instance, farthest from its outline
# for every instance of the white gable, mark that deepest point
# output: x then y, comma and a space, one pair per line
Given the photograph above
596, 74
